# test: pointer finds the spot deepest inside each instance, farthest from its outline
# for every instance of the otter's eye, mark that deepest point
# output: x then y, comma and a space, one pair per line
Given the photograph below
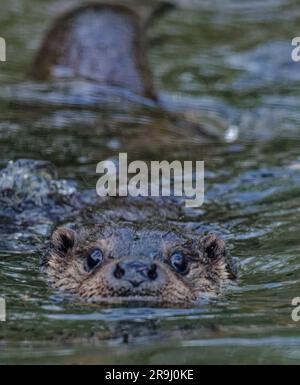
94, 259
178, 261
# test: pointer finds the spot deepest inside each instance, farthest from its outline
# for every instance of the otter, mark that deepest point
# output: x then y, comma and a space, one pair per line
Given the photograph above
114, 250
137, 264
106, 45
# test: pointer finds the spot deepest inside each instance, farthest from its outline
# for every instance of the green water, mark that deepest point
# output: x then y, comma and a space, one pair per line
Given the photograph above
228, 63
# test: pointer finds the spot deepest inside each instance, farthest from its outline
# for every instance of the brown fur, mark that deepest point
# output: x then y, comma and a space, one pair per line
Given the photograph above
127, 57
209, 266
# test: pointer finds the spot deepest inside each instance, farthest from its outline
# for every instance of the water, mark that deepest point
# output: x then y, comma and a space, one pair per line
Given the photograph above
229, 64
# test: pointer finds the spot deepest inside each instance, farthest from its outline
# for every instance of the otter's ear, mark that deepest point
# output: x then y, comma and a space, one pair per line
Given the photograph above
214, 248
63, 239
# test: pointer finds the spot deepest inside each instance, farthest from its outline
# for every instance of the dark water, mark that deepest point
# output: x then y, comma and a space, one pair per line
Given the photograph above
228, 63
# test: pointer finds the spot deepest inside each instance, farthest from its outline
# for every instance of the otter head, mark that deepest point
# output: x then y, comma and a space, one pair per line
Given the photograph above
126, 264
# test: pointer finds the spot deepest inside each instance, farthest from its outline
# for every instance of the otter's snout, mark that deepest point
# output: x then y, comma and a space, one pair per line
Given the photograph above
136, 272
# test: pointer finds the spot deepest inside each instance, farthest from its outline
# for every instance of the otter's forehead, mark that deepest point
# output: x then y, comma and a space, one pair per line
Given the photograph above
140, 240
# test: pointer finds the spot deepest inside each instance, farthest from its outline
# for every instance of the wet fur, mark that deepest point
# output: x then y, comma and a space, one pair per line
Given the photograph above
209, 266
116, 57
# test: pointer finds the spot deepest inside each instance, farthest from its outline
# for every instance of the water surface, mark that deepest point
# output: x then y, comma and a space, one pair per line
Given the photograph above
229, 64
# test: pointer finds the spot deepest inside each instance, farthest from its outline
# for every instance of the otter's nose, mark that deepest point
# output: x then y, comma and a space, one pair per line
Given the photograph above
136, 272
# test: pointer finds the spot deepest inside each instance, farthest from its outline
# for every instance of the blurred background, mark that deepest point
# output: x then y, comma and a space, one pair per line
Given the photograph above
227, 64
